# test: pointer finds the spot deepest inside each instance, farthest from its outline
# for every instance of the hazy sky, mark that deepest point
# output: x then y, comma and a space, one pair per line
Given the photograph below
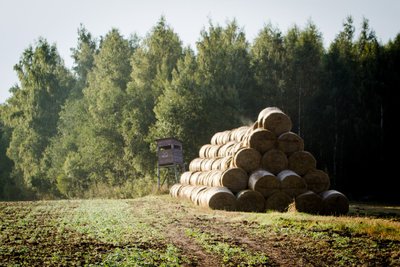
23, 21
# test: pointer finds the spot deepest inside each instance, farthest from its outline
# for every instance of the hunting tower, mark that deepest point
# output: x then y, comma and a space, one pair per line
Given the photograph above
170, 156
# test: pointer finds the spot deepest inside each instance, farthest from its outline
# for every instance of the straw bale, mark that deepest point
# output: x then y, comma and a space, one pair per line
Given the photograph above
196, 192
215, 164
186, 191
218, 198
247, 158
334, 203
317, 180
250, 201
291, 183
185, 177
225, 149
309, 202
290, 142
235, 179
264, 182
203, 152
278, 201
237, 133
261, 140
225, 163
301, 162
274, 161
174, 191
195, 164
275, 120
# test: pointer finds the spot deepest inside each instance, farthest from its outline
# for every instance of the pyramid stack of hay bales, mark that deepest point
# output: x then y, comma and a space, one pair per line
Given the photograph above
259, 167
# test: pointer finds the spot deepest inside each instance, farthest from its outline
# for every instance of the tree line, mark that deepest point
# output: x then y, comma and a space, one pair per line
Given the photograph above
90, 131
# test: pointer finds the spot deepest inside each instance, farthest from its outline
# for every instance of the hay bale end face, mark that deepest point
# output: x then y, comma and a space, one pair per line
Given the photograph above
309, 202
264, 182
250, 201
301, 162
290, 142
235, 179
218, 198
291, 183
317, 180
261, 140
274, 161
274, 120
247, 158
334, 203
278, 201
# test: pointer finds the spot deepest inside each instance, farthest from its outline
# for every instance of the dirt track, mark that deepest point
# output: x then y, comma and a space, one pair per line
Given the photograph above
160, 230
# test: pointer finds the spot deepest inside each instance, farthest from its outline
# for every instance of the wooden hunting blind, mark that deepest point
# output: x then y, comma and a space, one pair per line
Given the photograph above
170, 155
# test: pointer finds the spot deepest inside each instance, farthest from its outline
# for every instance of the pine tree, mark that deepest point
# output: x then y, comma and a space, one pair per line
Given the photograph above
152, 66
32, 111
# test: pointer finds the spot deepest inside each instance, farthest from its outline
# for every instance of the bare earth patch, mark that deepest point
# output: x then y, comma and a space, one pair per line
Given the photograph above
158, 230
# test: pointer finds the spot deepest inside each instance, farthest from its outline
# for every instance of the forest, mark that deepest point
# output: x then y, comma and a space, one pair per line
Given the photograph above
90, 131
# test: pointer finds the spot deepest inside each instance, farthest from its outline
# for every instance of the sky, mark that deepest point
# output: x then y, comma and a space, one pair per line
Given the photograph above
22, 22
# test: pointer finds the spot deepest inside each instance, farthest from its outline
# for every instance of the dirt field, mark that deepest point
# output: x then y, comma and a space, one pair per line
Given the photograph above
161, 231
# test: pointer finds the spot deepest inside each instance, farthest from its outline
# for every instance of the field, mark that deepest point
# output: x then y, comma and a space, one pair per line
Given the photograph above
161, 231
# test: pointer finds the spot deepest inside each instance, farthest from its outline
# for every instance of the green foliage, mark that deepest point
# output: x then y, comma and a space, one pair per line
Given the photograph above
83, 56
32, 111
224, 75
152, 66
9, 188
232, 255
179, 110
91, 132
268, 62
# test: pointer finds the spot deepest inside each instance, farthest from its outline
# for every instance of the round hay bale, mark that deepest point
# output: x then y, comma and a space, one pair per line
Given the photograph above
291, 183
218, 198
196, 192
208, 179
214, 138
290, 142
219, 137
215, 178
186, 191
226, 137
224, 150
212, 164
235, 179
235, 148
278, 201
174, 191
334, 203
261, 140
185, 177
203, 152
195, 178
206, 164
225, 163
247, 158
212, 152
308, 202
264, 182
274, 120
301, 162
274, 161
201, 179
250, 201
195, 164
238, 133
317, 180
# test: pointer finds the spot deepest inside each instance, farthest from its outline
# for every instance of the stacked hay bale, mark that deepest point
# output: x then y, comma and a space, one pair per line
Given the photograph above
259, 167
